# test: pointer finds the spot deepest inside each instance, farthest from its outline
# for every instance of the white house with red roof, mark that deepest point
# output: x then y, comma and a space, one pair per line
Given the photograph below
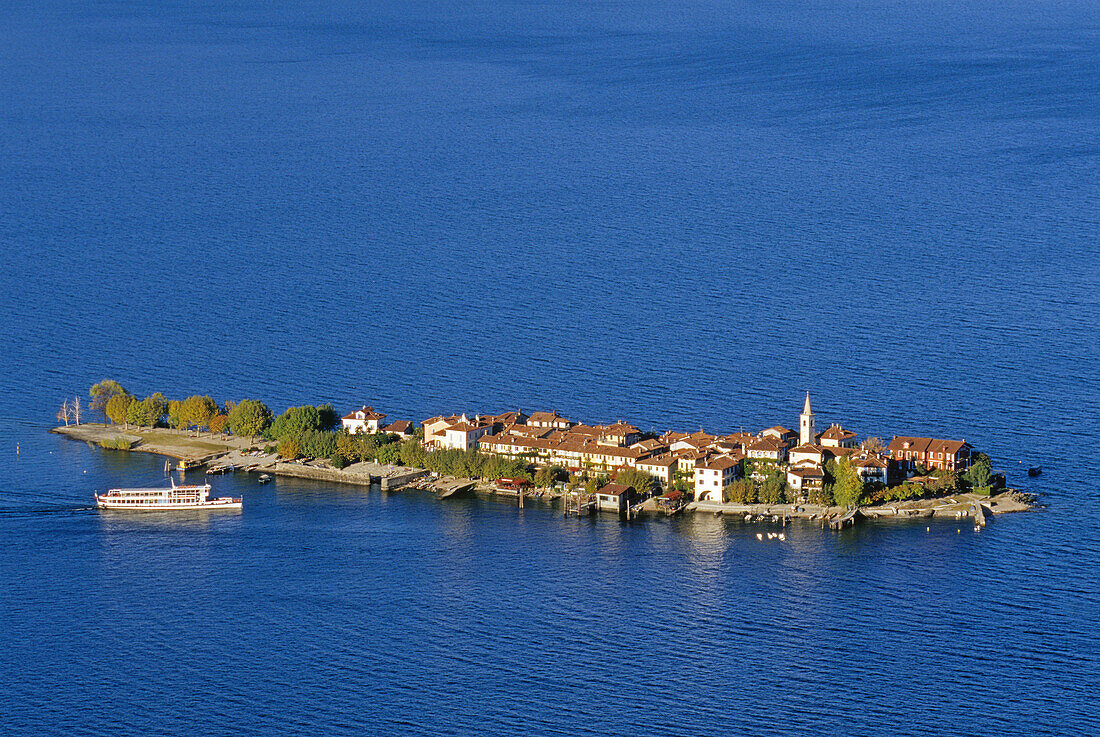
362, 420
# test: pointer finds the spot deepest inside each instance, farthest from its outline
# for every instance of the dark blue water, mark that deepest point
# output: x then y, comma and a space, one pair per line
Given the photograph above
678, 214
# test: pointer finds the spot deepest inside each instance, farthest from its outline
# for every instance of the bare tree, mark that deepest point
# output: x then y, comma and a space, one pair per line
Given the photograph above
75, 409
63, 413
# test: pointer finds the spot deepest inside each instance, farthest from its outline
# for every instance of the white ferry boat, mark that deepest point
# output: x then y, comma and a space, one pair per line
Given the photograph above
174, 497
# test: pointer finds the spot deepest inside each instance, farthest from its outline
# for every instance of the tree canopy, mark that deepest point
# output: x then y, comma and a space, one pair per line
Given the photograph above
249, 418
642, 482
847, 487
147, 412
980, 476
196, 411
116, 407
101, 394
297, 420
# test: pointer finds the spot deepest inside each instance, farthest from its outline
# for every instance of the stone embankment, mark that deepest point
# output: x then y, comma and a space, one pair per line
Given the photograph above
956, 506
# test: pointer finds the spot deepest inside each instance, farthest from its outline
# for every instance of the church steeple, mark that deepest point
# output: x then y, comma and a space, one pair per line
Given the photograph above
806, 424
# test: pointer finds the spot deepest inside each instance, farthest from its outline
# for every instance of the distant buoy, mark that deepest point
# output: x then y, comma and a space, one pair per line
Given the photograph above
759, 536
927, 529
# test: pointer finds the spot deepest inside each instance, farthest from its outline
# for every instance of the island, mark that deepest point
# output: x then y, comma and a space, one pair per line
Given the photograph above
775, 474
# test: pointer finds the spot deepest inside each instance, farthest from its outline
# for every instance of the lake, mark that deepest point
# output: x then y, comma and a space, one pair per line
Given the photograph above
682, 215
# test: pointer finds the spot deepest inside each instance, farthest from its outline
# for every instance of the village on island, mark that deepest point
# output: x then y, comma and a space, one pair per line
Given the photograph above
828, 474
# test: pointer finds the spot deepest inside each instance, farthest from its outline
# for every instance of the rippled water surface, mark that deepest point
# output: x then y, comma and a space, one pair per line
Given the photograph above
678, 214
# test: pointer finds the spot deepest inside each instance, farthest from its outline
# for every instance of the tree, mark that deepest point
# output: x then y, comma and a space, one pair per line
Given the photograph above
76, 409
979, 476
773, 487
295, 421
288, 448
175, 414
196, 411
147, 412
741, 491
249, 418
328, 417
218, 423
63, 413
116, 408
642, 482
390, 454
101, 394
847, 485
549, 475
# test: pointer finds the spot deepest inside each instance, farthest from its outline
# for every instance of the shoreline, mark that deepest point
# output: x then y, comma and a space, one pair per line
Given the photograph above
220, 450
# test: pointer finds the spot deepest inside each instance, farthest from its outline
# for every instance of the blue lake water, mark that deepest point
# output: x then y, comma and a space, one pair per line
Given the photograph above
683, 215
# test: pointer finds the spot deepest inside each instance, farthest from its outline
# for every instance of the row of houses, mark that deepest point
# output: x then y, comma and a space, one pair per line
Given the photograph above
706, 462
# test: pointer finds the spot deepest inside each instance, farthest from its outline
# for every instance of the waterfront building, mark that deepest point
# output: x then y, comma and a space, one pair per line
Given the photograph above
362, 420
908, 453
713, 475
805, 478
435, 428
806, 424
870, 468
662, 468
614, 498
808, 454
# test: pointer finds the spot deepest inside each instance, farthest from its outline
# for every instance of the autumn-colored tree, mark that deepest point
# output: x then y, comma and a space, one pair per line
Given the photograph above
289, 448
196, 411
116, 408
218, 423
101, 394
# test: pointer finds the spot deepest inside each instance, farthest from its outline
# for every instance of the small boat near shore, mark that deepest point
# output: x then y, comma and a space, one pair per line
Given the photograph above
159, 499
264, 478
1035, 471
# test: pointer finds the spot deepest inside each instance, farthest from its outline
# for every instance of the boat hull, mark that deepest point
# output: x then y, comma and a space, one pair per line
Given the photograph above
225, 503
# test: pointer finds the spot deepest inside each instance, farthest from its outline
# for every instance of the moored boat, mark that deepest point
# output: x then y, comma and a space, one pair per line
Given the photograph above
158, 499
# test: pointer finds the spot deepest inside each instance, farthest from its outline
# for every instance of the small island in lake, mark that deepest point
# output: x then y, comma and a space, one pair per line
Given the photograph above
778, 473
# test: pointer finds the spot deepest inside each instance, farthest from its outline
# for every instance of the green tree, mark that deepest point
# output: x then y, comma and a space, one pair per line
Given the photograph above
549, 475
980, 476
249, 418
295, 421
148, 412
773, 488
847, 486
390, 454
101, 394
117, 407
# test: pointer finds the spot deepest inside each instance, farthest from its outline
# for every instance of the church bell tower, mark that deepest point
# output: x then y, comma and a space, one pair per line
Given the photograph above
806, 424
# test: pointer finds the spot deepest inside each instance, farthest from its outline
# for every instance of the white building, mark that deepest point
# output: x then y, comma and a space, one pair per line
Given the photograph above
464, 434
713, 476
362, 420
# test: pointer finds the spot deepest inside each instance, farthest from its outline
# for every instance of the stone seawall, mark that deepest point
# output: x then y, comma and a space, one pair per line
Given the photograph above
359, 474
